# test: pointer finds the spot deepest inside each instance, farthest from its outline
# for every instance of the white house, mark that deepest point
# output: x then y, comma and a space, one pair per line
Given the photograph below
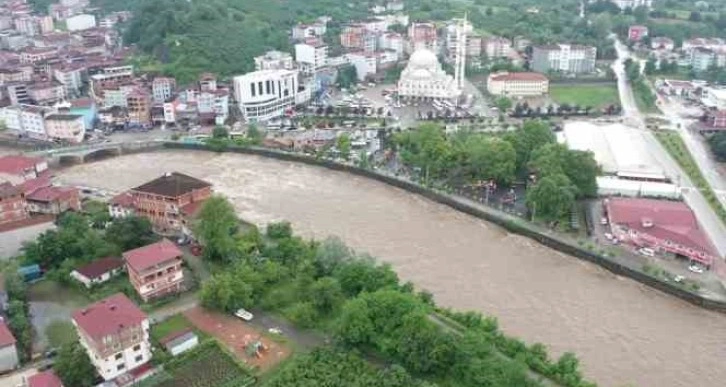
98, 271
8, 352
80, 22
122, 205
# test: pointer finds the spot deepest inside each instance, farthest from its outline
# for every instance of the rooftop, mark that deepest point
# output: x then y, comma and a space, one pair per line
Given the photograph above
6, 337
51, 193
16, 165
524, 76
100, 266
176, 338
7, 190
663, 219
152, 255
108, 316
124, 199
63, 117
44, 379
172, 185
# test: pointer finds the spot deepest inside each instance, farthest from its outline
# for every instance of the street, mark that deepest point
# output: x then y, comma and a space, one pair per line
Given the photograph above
707, 218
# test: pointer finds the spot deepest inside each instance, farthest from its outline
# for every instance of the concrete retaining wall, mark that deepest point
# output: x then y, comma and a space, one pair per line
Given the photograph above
506, 221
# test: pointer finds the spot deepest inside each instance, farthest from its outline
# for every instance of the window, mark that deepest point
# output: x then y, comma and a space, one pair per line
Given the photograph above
120, 367
137, 348
118, 356
139, 358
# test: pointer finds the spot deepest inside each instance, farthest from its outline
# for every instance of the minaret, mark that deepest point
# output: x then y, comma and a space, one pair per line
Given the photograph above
460, 63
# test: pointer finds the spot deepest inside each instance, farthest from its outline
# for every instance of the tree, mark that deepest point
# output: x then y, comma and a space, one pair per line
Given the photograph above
220, 132
254, 134
717, 142
551, 198
579, 167
327, 295
342, 143
302, 314
532, 135
279, 230
503, 104
489, 158
20, 326
650, 66
73, 366
695, 16
216, 227
347, 76
130, 232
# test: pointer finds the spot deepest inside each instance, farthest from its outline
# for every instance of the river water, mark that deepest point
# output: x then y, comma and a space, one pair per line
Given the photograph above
623, 332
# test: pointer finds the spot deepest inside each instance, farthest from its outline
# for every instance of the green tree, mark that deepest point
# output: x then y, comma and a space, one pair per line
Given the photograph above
327, 295
303, 314
220, 132
347, 76
255, 135
19, 324
650, 67
216, 227
130, 232
503, 104
717, 142
279, 230
552, 197
579, 167
73, 366
426, 148
342, 144
532, 135
364, 275
488, 157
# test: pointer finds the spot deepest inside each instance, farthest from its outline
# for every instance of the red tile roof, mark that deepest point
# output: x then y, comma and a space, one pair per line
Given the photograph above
100, 267
51, 194
174, 335
30, 186
6, 337
18, 164
151, 255
124, 199
44, 379
108, 316
662, 219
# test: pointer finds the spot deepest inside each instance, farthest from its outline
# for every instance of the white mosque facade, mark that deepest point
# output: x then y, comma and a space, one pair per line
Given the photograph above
423, 77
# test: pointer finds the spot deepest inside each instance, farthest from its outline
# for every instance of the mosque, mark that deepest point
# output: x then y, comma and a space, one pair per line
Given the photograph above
424, 78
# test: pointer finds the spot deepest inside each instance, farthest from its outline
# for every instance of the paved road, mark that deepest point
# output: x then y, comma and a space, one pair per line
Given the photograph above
632, 116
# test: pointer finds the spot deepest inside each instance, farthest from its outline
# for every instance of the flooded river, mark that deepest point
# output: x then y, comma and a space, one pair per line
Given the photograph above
623, 332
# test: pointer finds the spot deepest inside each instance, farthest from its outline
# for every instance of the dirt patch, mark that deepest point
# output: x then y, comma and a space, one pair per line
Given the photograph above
237, 336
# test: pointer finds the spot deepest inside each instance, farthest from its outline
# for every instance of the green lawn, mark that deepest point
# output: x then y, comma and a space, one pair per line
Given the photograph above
595, 95
173, 324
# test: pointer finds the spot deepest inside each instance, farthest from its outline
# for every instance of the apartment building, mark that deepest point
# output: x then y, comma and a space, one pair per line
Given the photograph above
65, 127
70, 77
34, 55
18, 93
274, 60
167, 199
155, 270
517, 84
305, 31
115, 334
26, 120
162, 89
311, 55
567, 58
46, 93
423, 35
12, 203
392, 41
264, 95
138, 103
497, 47
701, 58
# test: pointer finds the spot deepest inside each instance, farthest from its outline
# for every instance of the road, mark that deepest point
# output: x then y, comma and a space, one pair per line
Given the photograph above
713, 226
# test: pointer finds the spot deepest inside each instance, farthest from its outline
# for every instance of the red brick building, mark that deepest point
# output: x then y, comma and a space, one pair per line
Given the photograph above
155, 270
17, 169
12, 203
53, 200
166, 199
663, 225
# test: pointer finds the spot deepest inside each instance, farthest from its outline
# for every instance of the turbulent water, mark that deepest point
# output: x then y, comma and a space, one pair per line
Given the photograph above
623, 332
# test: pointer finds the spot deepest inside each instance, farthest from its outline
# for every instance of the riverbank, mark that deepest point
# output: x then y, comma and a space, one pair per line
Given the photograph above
513, 224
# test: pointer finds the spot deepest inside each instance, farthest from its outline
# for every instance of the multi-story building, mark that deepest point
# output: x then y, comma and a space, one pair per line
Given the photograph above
623, 4
391, 41
566, 58
26, 26
311, 55
26, 120
107, 77
637, 32
12, 203
702, 58
121, 205
162, 88
662, 43
365, 63
451, 38
167, 199
80, 22
46, 93
8, 352
15, 75
716, 119
517, 84
70, 77
138, 103
18, 93
423, 36
264, 95
34, 55
716, 44
115, 334
207, 82
53, 200
358, 37
305, 31
45, 24
274, 60
65, 127
497, 47
520, 43
155, 270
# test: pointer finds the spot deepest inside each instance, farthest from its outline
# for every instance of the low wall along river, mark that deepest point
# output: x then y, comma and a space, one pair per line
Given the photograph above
623, 332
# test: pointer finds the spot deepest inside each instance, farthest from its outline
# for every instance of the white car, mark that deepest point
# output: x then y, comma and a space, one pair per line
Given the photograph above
679, 278
695, 269
276, 331
608, 236
647, 252
243, 314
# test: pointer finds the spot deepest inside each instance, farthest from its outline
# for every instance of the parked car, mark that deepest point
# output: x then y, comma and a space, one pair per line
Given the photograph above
243, 314
679, 278
647, 252
695, 269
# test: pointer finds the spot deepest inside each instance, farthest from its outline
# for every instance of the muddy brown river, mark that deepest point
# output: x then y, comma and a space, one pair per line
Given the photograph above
623, 332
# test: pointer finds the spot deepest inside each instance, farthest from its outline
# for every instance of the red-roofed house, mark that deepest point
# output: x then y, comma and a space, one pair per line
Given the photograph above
44, 379
155, 270
517, 84
98, 271
8, 352
12, 203
115, 333
17, 169
121, 205
53, 200
662, 225
637, 33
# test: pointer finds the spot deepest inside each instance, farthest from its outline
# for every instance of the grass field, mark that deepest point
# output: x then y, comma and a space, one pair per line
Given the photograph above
673, 143
173, 324
595, 95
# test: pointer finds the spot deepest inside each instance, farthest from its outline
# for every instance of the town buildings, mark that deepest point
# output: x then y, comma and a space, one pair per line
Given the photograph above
264, 95
566, 58
167, 200
98, 271
275, 60
517, 84
8, 351
52, 200
714, 97
663, 225
121, 205
65, 127
662, 43
365, 63
155, 270
80, 22
624, 4
311, 55
305, 31
636, 33
423, 77
12, 203
44, 379
19, 169
497, 47
423, 36
115, 334
162, 89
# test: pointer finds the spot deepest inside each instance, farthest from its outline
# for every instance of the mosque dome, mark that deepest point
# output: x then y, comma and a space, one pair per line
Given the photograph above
423, 59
